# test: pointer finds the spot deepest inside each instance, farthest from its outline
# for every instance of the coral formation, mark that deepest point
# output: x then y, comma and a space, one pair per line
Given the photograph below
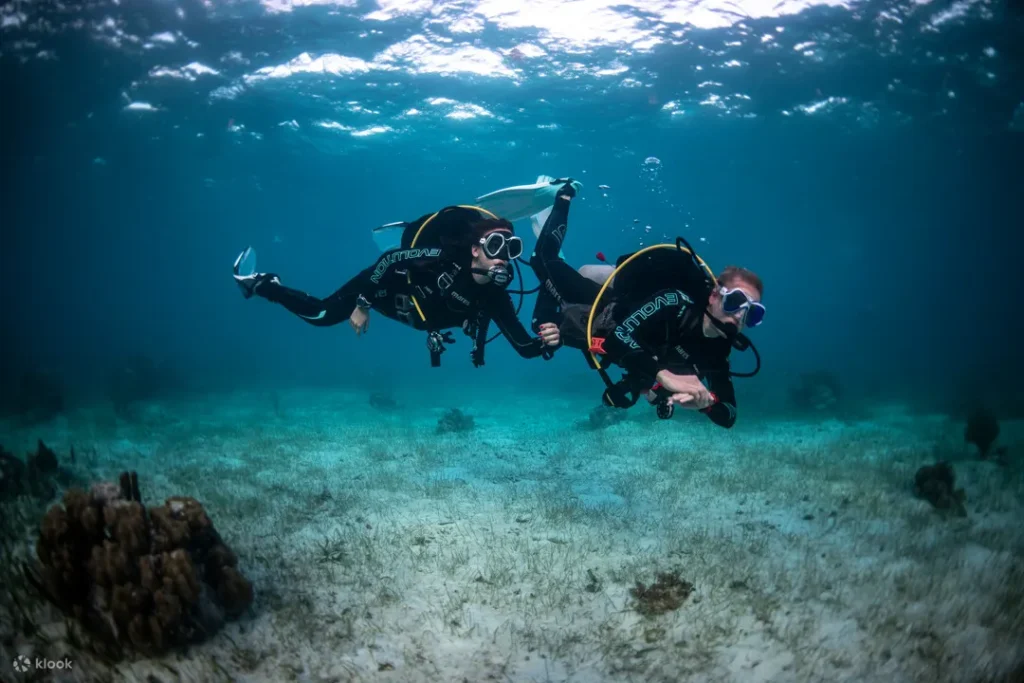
148, 579
935, 483
455, 421
667, 593
981, 430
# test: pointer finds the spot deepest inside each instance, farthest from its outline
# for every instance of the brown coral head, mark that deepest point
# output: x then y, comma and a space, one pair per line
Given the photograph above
664, 595
180, 576
129, 527
191, 510
220, 556
76, 501
234, 591
109, 565
169, 531
135, 578
103, 492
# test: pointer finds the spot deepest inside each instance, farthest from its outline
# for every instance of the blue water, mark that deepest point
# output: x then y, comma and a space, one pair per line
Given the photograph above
863, 159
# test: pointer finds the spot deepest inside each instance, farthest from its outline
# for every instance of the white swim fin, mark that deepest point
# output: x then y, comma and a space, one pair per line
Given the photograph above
389, 236
537, 223
512, 203
522, 201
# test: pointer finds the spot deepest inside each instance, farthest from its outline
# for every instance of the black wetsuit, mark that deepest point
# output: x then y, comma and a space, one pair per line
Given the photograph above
447, 295
663, 331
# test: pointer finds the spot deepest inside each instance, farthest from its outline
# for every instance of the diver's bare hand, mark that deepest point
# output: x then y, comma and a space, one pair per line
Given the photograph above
674, 399
549, 333
359, 320
686, 384
691, 402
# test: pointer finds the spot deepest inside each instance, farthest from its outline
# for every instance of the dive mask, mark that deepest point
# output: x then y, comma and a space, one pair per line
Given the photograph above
734, 300
501, 245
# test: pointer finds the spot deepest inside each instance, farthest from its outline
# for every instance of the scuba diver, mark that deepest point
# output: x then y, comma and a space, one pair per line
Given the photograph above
451, 270
667, 321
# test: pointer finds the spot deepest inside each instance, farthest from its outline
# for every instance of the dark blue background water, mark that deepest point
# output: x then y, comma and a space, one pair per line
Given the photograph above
886, 225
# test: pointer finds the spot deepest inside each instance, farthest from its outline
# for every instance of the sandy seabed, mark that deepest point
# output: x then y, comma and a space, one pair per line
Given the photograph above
382, 551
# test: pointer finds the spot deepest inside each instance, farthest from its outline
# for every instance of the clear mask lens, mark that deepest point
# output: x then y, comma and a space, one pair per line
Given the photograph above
498, 246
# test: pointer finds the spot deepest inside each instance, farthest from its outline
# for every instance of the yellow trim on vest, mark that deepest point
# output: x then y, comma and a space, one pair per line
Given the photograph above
417, 236
593, 307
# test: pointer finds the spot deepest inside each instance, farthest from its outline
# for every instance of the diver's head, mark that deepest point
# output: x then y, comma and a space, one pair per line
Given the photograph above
493, 247
736, 302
